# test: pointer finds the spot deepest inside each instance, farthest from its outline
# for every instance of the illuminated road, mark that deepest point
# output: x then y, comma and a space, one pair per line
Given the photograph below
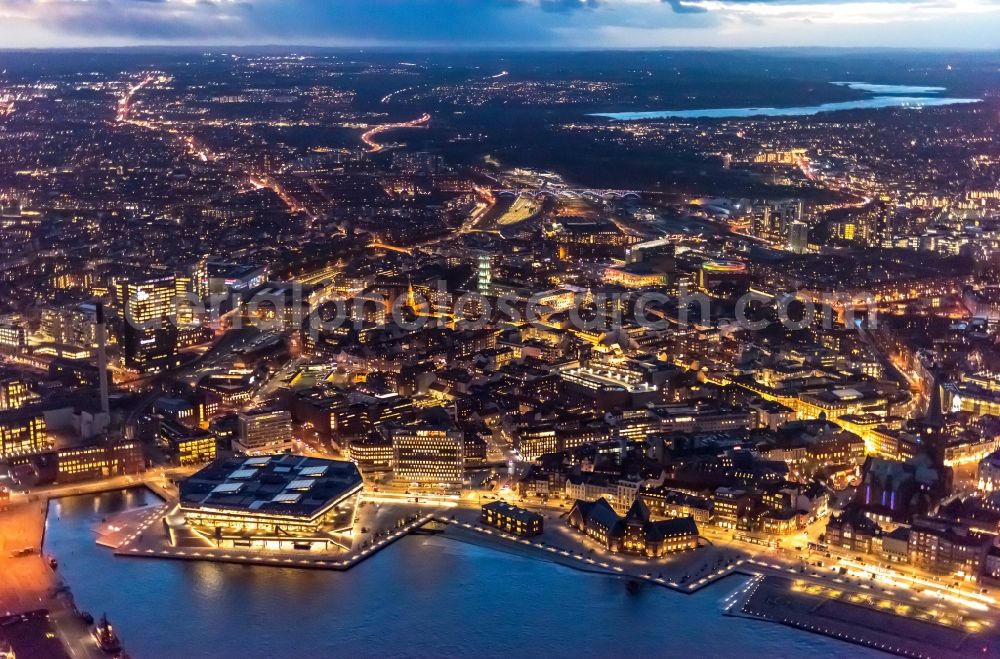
125, 103
375, 147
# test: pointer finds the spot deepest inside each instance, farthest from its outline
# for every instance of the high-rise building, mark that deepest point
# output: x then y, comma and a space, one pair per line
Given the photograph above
263, 432
149, 337
429, 455
798, 237
484, 273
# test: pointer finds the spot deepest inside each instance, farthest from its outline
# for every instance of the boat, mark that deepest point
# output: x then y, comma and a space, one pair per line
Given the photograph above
105, 636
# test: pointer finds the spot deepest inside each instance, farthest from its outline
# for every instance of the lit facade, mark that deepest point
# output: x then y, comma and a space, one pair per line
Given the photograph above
429, 456
635, 533
22, 433
512, 519
263, 432
280, 502
149, 338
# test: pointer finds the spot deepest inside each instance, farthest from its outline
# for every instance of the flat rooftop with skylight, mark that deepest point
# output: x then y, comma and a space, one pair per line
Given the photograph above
281, 502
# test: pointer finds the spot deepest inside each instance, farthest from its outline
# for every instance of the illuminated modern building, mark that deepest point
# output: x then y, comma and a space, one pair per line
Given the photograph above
12, 337
429, 455
534, 440
187, 446
149, 338
635, 275
15, 394
372, 453
262, 432
484, 273
73, 325
611, 383
101, 460
22, 432
712, 274
502, 515
798, 237
276, 503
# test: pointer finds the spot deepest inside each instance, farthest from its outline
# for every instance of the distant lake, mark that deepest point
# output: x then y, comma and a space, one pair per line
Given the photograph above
886, 96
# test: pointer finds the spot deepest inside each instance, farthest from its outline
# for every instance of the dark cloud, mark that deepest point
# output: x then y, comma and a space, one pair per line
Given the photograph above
440, 23
568, 5
680, 8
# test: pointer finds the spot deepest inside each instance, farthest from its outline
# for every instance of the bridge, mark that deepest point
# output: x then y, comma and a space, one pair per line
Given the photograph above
378, 244
594, 194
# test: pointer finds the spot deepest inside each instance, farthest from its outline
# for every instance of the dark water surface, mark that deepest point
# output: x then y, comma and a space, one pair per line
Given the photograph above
425, 596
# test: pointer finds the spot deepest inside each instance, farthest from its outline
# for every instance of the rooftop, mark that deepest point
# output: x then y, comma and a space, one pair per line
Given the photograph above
288, 485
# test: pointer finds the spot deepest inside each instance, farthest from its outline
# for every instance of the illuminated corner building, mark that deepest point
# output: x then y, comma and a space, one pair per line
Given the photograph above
22, 432
12, 337
372, 453
429, 455
944, 548
533, 440
15, 394
262, 432
187, 446
149, 338
666, 503
280, 502
502, 515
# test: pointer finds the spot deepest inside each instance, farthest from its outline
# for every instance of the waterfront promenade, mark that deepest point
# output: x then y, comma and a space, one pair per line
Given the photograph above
141, 533
27, 582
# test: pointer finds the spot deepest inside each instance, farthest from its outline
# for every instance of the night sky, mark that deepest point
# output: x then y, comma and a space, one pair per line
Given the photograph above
532, 24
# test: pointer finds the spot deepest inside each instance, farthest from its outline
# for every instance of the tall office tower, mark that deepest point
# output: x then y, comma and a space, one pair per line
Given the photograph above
263, 432
149, 337
760, 223
798, 237
788, 212
102, 357
484, 272
428, 455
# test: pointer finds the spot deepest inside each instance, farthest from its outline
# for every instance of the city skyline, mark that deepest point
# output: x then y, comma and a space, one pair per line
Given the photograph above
344, 341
